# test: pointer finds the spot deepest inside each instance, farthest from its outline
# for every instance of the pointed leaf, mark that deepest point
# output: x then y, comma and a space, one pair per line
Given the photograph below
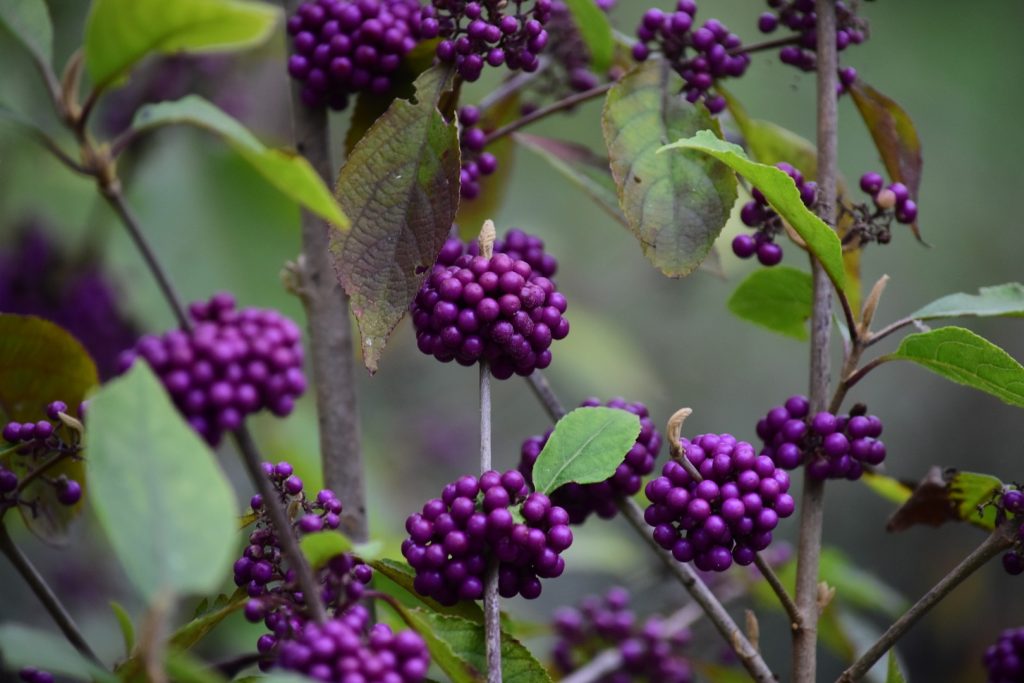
588, 444
39, 363
894, 135
119, 33
596, 31
22, 646
781, 193
966, 358
124, 622
893, 673
1000, 300
158, 491
400, 189
675, 204
290, 173
778, 298
28, 21
889, 488
403, 575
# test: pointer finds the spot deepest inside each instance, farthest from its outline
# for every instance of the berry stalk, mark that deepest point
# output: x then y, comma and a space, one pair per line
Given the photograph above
330, 330
805, 636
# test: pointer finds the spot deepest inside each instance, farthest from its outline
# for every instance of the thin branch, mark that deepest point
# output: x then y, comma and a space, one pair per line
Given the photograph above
788, 604
50, 601
51, 145
812, 508
857, 376
513, 84
330, 331
995, 543
751, 659
767, 45
851, 323
553, 108
492, 601
40, 470
887, 330
546, 395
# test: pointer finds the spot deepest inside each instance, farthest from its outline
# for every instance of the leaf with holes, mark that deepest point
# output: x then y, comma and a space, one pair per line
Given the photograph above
587, 445
675, 204
400, 189
779, 299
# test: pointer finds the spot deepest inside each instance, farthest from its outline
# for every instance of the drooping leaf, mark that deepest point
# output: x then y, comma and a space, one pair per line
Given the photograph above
596, 31
1000, 300
894, 135
124, 622
400, 189
778, 298
158, 491
893, 673
675, 204
288, 172
22, 646
28, 21
119, 33
966, 358
586, 447
402, 575
949, 496
39, 363
780, 191
466, 641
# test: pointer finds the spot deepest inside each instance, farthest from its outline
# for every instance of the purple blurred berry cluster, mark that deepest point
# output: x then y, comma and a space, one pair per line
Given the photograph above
31, 674
476, 162
232, 364
491, 33
347, 649
580, 500
1012, 503
455, 537
348, 46
700, 55
831, 446
799, 16
504, 309
893, 197
1004, 661
649, 650
42, 444
729, 514
758, 215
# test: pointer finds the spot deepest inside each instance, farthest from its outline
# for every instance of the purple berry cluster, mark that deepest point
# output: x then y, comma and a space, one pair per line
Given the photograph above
455, 537
758, 215
31, 674
832, 446
716, 52
1012, 502
649, 651
40, 441
729, 514
892, 197
502, 310
476, 162
1004, 661
346, 648
492, 33
232, 364
348, 46
580, 500
799, 16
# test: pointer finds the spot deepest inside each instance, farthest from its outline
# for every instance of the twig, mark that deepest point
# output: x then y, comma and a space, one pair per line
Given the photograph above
492, 601
553, 108
50, 601
330, 332
995, 543
544, 393
513, 84
792, 611
887, 330
850, 380
805, 636
767, 45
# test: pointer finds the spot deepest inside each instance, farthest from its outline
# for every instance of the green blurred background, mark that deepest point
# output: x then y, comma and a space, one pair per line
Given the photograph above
955, 67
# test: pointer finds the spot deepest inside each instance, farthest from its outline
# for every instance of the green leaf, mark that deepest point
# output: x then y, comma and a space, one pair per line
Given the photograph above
466, 641
119, 33
778, 298
894, 135
400, 188
893, 673
1000, 300
965, 358
39, 363
402, 575
586, 447
675, 204
780, 191
158, 491
184, 668
949, 496
124, 621
321, 546
290, 173
891, 489
596, 31
29, 22
22, 646
971, 492
441, 652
